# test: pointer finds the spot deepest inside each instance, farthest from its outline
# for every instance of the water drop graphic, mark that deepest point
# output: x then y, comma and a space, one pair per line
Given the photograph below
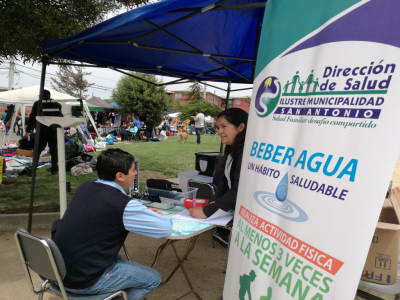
282, 189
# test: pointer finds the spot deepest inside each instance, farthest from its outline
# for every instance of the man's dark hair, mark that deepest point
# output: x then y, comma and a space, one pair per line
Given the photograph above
46, 94
198, 110
112, 161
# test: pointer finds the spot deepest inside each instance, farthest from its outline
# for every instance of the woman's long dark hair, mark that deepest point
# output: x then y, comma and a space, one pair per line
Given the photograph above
235, 116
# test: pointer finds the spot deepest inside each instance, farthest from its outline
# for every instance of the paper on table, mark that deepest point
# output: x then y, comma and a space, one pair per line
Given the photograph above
220, 217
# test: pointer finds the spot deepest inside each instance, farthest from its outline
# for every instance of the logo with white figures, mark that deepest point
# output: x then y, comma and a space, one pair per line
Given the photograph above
278, 203
267, 97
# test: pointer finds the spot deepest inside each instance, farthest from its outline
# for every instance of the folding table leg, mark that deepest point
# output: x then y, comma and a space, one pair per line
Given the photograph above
184, 271
159, 251
180, 261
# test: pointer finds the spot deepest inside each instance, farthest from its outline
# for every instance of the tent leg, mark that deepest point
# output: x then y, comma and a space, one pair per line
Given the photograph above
61, 171
226, 106
36, 153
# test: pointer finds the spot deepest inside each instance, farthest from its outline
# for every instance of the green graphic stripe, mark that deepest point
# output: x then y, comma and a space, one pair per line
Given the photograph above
337, 93
288, 21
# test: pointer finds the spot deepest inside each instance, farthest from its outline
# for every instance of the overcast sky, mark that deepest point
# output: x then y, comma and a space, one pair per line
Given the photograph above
104, 80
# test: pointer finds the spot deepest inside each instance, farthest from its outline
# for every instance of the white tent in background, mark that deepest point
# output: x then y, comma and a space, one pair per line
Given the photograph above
24, 97
209, 119
29, 95
174, 115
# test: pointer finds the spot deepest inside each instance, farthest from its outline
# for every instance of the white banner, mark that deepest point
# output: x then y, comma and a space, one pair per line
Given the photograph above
320, 150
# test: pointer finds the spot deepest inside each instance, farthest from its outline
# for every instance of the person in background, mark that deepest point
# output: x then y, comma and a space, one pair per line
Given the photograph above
232, 125
199, 124
111, 117
137, 122
130, 131
26, 122
149, 128
48, 135
140, 127
91, 128
4, 116
95, 226
166, 122
17, 123
163, 133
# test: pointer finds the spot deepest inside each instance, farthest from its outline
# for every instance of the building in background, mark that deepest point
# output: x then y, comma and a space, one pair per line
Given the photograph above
182, 97
241, 102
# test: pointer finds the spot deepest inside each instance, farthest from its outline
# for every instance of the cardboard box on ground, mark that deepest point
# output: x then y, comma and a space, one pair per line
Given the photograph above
381, 264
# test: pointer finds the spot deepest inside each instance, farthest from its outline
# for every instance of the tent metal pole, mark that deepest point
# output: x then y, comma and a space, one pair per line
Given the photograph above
66, 49
242, 89
214, 86
197, 51
135, 77
225, 7
88, 59
187, 81
157, 69
36, 153
206, 73
194, 52
76, 65
228, 94
258, 34
226, 106
199, 11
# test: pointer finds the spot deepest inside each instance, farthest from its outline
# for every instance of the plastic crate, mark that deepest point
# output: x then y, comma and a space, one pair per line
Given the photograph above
179, 197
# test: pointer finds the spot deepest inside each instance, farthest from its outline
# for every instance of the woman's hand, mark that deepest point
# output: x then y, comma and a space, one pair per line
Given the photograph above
197, 212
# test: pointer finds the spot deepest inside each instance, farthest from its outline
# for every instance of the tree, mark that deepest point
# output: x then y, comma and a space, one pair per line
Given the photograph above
195, 92
140, 97
197, 102
71, 80
26, 24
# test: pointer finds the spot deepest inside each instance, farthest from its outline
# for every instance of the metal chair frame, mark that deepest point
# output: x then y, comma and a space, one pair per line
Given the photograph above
46, 284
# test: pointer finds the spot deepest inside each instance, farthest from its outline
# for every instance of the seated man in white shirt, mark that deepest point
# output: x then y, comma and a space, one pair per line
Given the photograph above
94, 228
163, 134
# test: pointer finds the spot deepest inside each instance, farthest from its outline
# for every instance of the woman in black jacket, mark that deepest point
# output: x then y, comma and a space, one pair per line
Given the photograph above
232, 125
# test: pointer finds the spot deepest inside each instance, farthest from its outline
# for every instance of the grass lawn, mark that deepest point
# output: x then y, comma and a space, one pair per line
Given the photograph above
157, 160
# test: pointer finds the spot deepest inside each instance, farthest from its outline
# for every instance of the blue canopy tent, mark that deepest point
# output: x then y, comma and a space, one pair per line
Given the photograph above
203, 40
191, 40
116, 105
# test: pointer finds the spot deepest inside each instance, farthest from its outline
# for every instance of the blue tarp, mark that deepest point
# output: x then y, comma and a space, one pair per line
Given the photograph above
116, 105
225, 29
